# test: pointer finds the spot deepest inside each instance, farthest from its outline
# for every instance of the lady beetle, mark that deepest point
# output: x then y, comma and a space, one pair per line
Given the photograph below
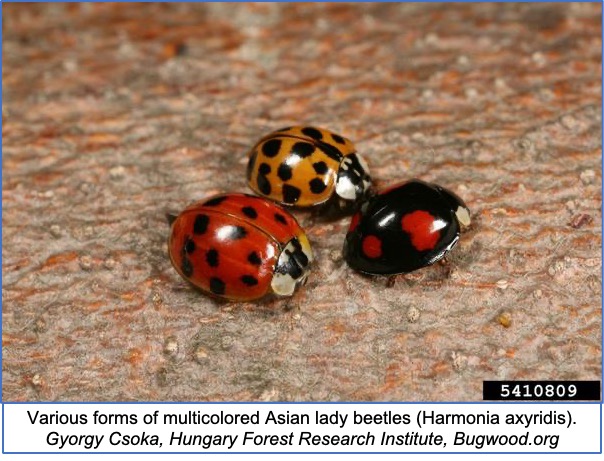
404, 228
239, 247
306, 166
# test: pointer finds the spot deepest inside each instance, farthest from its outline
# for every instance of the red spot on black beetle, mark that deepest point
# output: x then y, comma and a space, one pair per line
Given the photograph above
420, 227
354, 222
372, 247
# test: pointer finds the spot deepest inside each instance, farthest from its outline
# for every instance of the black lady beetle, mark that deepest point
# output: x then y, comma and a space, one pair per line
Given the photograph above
239, 247
307, 166
404, 228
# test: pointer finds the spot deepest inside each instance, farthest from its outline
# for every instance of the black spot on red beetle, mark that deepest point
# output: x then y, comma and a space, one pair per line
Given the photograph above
200, 226
339, 139
254, 259
271, 147
187, 267
249, 212
264, 186
284, 172
280, 218
317, 186
320, 167
189, 246
217, 286
291, 194
215, 201
249, 280
237, 232
312, 132
302, 149
212, 258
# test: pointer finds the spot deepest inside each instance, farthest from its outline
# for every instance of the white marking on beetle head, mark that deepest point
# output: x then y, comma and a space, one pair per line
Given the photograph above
345, 188
362, 163
345, 164
306, 249
463, 216
283, 284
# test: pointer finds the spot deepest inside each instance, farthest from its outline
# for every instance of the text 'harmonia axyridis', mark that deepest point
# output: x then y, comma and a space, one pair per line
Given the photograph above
240, 247
307, 166
406, 227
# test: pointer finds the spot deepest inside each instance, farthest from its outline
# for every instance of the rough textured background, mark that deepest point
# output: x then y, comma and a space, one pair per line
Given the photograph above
114, 114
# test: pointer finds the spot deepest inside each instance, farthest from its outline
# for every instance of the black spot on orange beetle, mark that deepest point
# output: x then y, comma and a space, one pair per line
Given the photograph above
312, 132
251, 164
320, 167
271, 147
291, 194
284, 172
317, 186
337, 138
264, 169
302, 149
264, 186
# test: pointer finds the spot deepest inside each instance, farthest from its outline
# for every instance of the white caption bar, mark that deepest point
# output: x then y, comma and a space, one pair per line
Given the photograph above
296, 428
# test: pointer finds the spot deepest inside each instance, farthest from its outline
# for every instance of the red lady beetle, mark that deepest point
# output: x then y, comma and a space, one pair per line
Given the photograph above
404, 228
239, 247
307, 166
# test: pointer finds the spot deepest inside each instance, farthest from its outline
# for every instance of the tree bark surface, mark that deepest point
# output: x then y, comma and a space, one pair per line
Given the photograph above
114, 114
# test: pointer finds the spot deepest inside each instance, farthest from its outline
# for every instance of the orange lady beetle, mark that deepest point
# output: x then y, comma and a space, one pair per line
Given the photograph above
239, 247
306, 166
